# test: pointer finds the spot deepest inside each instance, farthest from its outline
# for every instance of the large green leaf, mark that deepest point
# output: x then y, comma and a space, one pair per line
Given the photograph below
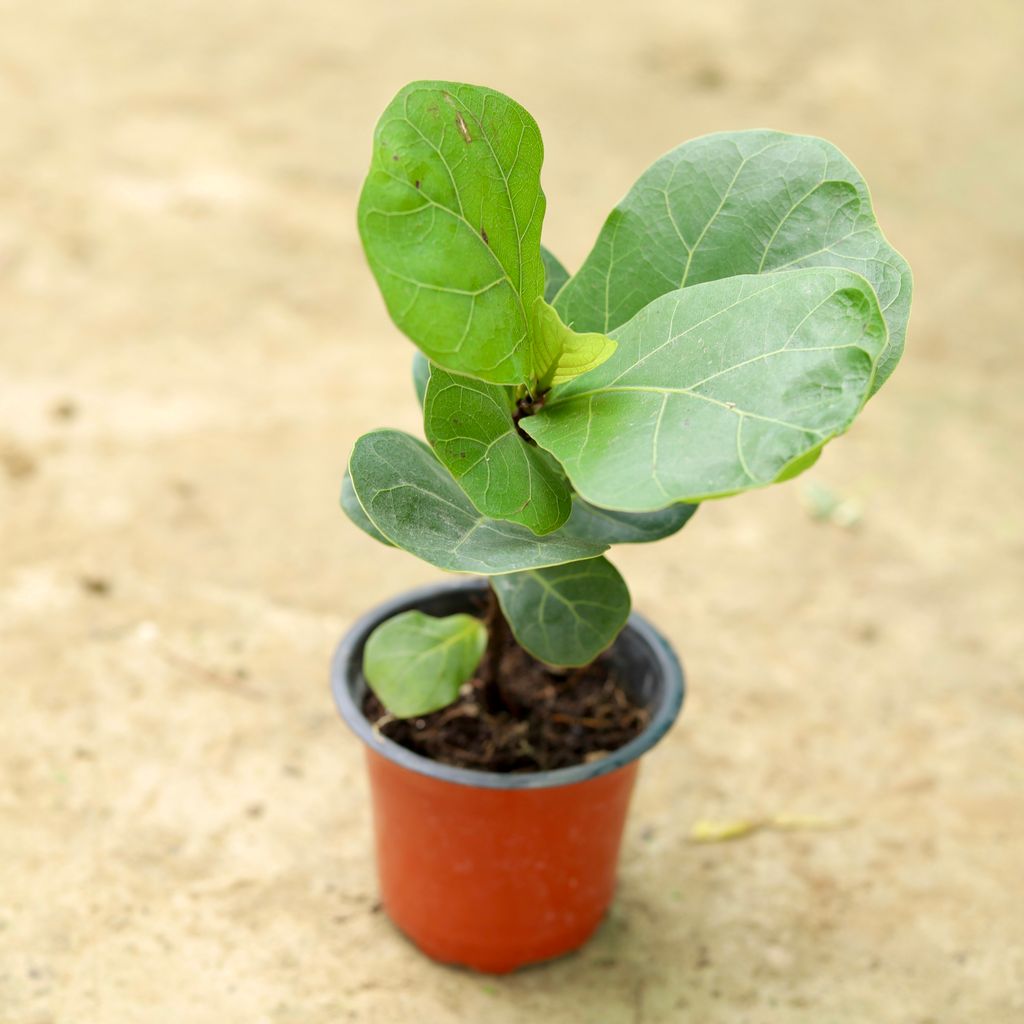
567, 614
450, 217
555, 274
352, 508
751, 202
470, 426
607, 526
416, 663
716, 389
414, 502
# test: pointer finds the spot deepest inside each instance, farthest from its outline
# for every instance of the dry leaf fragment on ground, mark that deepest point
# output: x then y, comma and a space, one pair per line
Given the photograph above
723, 831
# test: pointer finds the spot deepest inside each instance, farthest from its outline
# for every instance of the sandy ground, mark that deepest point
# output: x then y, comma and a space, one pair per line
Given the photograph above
190, 343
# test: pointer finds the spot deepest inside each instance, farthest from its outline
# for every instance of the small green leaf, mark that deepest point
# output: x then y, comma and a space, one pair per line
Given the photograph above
751, 202
717, 389
420, 375
565, 615
561, 353
555, 275
352, 508
607, 526
414, 501
450, 218
416, 663
470, 427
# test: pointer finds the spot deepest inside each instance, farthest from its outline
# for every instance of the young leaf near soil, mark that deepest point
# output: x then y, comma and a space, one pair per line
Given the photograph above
416, 504
732, 203
565, 615
717, 389
417, 663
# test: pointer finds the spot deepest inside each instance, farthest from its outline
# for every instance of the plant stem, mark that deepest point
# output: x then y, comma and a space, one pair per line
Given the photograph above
490, 675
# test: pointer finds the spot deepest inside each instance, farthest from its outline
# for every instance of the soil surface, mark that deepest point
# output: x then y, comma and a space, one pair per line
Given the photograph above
518, 715
190, 342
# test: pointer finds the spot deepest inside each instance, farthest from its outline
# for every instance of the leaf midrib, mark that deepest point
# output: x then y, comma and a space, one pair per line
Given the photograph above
614, 388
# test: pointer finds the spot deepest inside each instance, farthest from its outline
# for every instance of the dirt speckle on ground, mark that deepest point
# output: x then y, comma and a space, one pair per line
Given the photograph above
190, 342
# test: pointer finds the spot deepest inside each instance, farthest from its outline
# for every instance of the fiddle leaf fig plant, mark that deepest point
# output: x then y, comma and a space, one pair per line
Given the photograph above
739, 307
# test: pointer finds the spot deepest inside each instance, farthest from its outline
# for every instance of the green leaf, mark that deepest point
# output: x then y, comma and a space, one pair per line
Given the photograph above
567, 614
555, 275
752, 202
450, 218
717, 389
416, 663
606, 526
352, 508
420, 375
560, 353
469, 424
414, 502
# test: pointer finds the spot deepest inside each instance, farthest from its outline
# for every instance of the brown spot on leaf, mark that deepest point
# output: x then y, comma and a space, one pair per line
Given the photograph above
483, 235
463, 130
417, 182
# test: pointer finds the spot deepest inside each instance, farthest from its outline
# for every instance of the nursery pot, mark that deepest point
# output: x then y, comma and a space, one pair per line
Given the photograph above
490, 870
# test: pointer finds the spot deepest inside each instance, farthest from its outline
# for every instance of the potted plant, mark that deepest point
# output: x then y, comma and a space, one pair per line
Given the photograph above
739, 307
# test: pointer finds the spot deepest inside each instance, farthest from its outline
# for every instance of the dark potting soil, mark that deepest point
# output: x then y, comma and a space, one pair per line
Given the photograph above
519, 715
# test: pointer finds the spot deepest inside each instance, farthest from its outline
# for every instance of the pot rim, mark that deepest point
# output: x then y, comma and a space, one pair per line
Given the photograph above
665, 711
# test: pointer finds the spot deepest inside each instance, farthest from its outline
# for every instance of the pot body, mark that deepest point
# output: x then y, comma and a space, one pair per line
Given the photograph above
495, 871
496, 878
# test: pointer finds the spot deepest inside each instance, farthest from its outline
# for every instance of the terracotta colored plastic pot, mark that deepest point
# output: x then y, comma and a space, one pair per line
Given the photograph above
495, 871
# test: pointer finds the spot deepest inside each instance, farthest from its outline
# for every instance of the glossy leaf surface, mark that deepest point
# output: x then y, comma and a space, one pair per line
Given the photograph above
555, 274
470, 426
450, 218
737, 203
352, 508
607, 526
414, 501
717, 389
565, 615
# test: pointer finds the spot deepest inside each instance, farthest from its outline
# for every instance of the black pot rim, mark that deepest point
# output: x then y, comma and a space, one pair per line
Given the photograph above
344, 664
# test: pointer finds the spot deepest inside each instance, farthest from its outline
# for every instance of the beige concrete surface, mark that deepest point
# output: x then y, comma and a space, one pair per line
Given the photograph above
189, 344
